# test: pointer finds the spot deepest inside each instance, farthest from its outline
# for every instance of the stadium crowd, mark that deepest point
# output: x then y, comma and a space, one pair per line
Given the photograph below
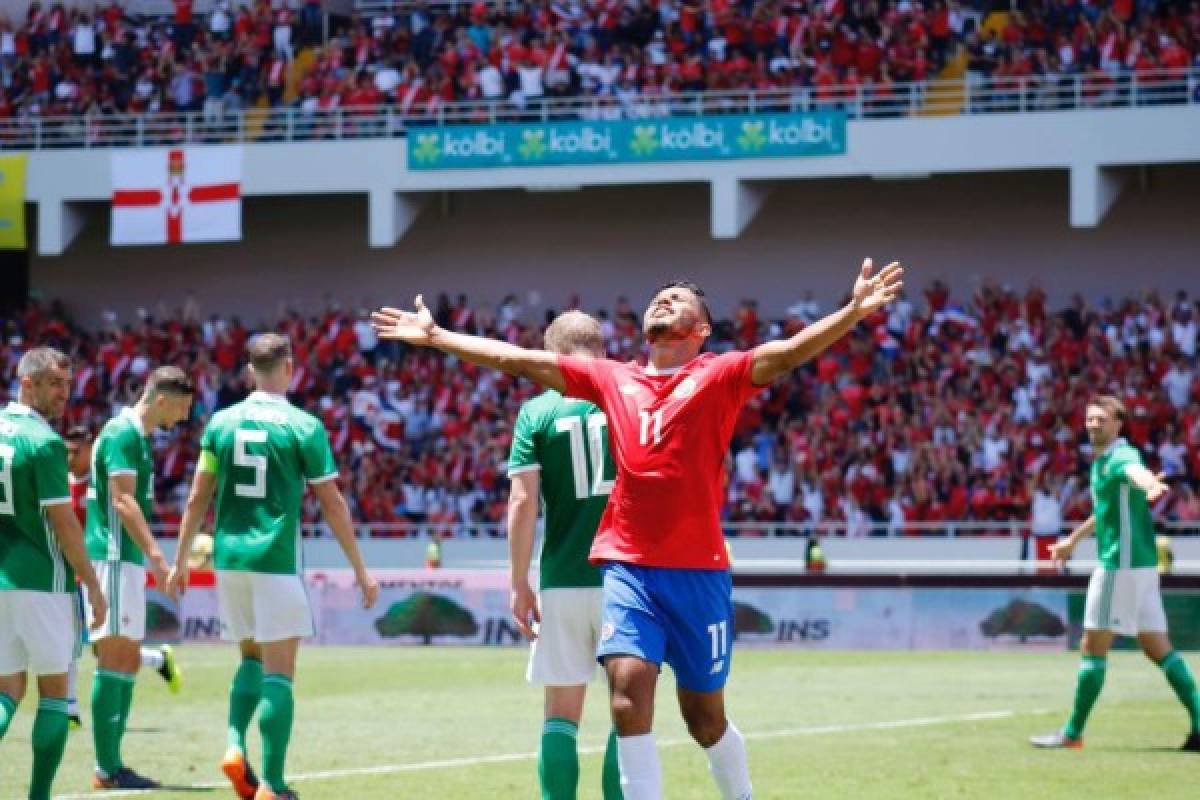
67, 61
940, 410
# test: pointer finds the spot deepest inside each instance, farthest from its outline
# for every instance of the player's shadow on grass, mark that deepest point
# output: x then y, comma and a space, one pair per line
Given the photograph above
1159, 749
166, 787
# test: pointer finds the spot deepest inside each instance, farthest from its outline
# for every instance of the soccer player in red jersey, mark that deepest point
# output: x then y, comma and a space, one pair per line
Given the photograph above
667, 588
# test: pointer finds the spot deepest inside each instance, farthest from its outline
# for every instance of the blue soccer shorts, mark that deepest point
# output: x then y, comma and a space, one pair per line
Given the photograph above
681, 616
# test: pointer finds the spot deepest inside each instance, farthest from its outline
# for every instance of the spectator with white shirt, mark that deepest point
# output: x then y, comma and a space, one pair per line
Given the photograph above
781, 480
1179, 380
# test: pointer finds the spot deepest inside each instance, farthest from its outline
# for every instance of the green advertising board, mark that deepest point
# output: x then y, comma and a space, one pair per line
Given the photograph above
1183, 620
556, 144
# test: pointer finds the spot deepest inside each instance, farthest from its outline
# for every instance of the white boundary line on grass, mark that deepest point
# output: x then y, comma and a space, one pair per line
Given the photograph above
471, 761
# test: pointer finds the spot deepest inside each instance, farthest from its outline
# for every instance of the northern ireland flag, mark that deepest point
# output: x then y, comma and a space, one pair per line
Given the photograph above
187, 194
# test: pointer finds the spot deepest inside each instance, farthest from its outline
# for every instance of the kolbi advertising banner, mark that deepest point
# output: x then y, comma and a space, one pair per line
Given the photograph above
556, 144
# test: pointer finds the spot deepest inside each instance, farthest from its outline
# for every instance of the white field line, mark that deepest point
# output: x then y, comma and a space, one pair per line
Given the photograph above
472, 761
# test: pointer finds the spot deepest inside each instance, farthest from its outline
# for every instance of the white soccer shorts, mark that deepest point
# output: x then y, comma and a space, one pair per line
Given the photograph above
564, 653
124, 587
1125, 601
263, 607
37, 632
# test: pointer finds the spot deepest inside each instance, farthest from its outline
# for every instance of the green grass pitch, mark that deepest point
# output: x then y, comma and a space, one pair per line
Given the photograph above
450, 723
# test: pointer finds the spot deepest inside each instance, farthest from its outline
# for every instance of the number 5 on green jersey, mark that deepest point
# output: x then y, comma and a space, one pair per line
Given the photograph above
264, 452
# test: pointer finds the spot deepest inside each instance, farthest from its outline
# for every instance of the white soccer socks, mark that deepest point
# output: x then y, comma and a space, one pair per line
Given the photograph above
727, 762
152, 658
641, 772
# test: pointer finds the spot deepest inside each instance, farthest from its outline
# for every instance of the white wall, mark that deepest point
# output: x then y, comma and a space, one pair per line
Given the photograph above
1058, 140
1010, 227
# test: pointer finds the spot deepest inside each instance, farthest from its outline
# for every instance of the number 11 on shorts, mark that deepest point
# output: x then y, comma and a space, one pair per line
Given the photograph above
718, 633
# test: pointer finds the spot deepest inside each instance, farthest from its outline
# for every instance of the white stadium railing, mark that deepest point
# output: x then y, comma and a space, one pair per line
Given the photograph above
375, 7
286, 124
835, 528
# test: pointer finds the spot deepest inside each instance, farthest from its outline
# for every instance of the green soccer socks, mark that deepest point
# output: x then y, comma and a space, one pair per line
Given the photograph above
244, 696
1181, 680
8, 707
611, 778
112, 696
49, 743
1087, 688
558, 760
275, 724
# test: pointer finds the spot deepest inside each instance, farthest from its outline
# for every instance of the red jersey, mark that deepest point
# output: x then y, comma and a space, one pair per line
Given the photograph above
669, 434
79, 491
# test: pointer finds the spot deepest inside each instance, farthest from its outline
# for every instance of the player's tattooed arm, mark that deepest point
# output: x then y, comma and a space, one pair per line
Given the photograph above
418, 328
204, 486
871, 292
337, 515
522, 527
123, 491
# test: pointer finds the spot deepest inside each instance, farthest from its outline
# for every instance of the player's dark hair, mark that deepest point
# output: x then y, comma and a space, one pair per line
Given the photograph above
695, 289
1111, 404
574, 332
78, 433
168, 380
268, 351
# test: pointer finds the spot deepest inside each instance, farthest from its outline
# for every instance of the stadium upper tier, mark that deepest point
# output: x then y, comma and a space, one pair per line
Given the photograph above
198, 76
944, 414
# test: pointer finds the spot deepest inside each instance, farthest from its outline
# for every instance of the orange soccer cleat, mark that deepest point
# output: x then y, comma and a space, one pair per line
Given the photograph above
240, 773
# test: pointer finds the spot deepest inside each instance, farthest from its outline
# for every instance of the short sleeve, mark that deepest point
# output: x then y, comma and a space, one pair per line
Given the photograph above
317, 455
1122, 459
583, 377
522, 456
122, 454
735, 371
50, 473
208, 440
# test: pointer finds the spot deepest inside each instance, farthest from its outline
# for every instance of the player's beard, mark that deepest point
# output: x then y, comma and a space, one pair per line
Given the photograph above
48, 406
666, 331
1099, 442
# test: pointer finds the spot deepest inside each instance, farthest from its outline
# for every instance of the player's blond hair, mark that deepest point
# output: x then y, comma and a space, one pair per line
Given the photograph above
1111, 405
575, 332
268, 351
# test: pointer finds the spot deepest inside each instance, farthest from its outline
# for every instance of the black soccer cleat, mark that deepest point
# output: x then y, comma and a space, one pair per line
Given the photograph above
1192, 744
124, 778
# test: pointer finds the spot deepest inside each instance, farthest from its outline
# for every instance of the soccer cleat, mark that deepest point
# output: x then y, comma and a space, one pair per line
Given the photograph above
74, 722
170, 671
1192, 744
240, 773
1056, 741
124, 778
265, 793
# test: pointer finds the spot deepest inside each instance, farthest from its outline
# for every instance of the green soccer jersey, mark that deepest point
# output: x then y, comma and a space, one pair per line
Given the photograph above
122, 448
568, 441
33, 475
263, 451
1124, 529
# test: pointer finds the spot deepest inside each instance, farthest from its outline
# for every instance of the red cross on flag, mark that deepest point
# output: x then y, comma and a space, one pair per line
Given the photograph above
188, 194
